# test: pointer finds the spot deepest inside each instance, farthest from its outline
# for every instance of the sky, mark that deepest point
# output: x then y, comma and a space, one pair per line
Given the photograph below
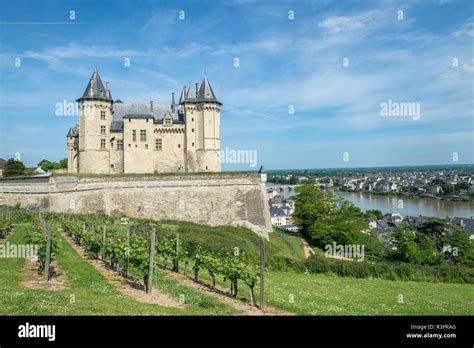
303, 83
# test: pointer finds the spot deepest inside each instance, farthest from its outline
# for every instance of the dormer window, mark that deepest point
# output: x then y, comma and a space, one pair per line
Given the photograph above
167, 121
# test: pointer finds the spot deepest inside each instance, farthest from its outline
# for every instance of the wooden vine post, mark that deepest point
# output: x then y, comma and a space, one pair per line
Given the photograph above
152, 261
262, 271
104, 236
128, 252
48, 254
176, 260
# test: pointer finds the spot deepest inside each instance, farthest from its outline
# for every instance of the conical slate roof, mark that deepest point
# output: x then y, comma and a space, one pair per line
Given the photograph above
95, 89
206, 94
182, 98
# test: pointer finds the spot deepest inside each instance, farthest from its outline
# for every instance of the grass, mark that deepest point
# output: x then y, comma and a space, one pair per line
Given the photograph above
214, 239
94, 295
332, 295
306, 294
287, 243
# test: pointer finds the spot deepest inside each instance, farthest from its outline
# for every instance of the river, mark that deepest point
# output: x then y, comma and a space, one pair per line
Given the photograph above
411, 206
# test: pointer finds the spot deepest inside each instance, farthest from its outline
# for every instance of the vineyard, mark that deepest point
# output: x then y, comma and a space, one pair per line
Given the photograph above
190, 260
130, 244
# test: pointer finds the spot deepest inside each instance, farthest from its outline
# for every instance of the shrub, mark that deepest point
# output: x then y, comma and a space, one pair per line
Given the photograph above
384, 270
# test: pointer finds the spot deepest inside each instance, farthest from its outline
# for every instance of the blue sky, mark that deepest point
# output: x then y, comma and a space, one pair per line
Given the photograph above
283, 62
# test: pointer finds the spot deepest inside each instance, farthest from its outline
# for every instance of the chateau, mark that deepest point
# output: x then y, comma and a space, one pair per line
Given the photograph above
116, 137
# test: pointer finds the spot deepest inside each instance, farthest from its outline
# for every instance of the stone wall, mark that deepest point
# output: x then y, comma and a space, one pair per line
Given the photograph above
217, 199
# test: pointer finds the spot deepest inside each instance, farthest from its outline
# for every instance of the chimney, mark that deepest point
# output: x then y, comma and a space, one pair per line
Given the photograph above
151, 106
172, 102
107, 86
197, 89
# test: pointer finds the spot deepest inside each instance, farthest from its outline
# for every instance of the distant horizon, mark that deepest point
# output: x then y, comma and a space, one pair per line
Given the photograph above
320, 168
375, 167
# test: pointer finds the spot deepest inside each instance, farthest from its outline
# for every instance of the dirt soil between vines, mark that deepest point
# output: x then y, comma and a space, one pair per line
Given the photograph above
131, 287
31, 278
222, 294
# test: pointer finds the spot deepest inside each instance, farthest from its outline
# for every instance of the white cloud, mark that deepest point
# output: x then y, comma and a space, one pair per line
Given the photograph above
467, 30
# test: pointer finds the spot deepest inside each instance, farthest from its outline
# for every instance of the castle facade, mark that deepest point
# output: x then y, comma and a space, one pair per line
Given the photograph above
115, 137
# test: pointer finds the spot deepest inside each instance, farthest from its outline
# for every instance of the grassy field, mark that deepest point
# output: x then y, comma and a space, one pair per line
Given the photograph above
310, 294
228, 237
94, 295
331, 295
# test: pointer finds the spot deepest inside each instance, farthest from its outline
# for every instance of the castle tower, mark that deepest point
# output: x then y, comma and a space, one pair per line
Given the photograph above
207, 128
72, 149
95, 116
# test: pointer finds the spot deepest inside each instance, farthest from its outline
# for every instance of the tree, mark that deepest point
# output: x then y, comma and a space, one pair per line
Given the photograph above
325, 219
63, 163
48, 165
461, 248
312, 205
293, 180
13, 168
374, 213
437, 229
463, 185
448, 188
402, 239
422, 245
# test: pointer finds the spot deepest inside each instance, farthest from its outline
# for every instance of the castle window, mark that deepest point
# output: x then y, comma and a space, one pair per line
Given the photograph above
167, 121
146, 146
179, 145
142, 135
102, 115
193, 144
192, 130
102, 144
192, 119
119, 145
102, 130
158, 144
134, 135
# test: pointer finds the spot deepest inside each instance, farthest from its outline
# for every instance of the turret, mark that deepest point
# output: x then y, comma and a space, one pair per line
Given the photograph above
95, 117
208, 136
262, 174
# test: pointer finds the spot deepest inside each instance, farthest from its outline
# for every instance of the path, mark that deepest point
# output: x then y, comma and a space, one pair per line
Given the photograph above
131, 287
308, 251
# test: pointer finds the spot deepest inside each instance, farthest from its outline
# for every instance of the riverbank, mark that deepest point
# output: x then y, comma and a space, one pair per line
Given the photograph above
409, 206
411, 195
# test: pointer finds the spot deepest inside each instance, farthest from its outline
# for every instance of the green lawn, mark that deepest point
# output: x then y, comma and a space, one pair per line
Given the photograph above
94, 295
318, 294
307, 294
286, 244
